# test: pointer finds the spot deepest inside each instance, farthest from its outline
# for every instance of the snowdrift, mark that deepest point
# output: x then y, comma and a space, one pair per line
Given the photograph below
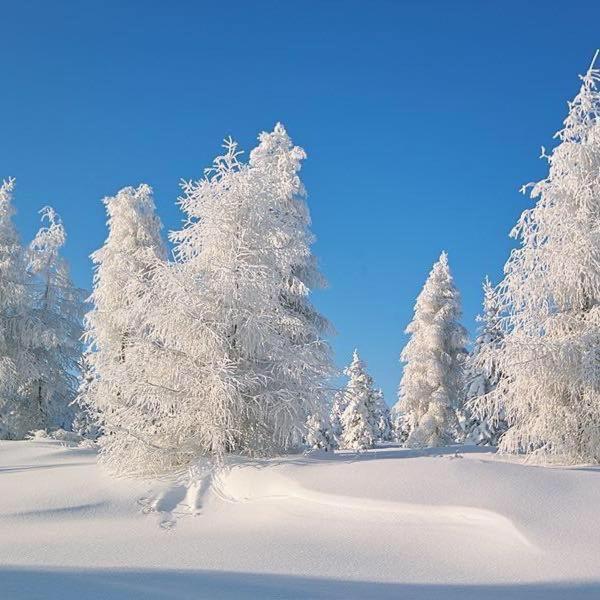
390, 523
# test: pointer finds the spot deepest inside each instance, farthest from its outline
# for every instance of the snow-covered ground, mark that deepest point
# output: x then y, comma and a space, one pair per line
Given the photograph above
389, 523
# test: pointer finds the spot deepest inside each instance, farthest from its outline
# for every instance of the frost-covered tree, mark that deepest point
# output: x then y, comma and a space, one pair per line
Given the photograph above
550, 358
357, 431
431, 385
57, 308
338, 406
384, 420
238, 356
116, 326
400, 424
303, 360
17, 330
86, 422
483, 424
318, 433
360, 419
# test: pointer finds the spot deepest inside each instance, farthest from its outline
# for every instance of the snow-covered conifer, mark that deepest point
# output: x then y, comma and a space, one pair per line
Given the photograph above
86, 422
17, 329
484, 425
430, 390
384, 420
550, 385
338, 407
318, 433
117, 328
57, 307
303, 360
360, 419
242, 359
400, 424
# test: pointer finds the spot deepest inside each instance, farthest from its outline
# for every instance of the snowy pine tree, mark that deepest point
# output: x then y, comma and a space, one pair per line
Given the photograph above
360, 419
401, 425
550, 358
430, 390
384, 420
86, 422
238, 358
484, 425
18, 331
117, 329
338, 407
57, 308
318, 433
303, 357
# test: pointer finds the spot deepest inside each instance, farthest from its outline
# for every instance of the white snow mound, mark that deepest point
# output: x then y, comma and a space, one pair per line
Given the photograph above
389, 523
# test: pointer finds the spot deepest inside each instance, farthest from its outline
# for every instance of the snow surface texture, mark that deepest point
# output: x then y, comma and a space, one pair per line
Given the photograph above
452, 523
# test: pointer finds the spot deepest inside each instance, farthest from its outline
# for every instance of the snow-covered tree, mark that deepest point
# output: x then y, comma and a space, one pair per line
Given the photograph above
57, 308
360, 419
238, 356
116, 326
17, 330
483, 424
302, 363
400, 424
86, 422
338, 406
431, 385
318, 433
384, 420
550, 358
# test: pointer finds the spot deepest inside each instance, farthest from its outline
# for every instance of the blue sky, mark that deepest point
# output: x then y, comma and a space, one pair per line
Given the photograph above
420, 119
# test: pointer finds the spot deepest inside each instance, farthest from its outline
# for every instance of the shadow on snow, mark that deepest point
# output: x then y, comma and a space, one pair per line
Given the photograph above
115, 584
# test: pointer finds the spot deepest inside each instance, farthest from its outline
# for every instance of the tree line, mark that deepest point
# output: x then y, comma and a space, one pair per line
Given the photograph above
216, 348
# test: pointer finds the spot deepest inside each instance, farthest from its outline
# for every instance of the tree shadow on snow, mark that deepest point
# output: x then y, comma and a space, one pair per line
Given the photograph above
384, 452
397, 452
114, 584
589, 468
42, 467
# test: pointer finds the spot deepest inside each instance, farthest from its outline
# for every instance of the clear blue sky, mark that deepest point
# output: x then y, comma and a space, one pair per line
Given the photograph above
420, 119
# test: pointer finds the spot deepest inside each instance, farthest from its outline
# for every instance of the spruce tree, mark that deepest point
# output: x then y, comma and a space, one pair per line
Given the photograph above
483, 424
57, 309
318, 433
400, 424
550, 388
120, 357
360, 420
431, 385
86, 422
18, 331
239, 352
338, 406
384, 419
300, 356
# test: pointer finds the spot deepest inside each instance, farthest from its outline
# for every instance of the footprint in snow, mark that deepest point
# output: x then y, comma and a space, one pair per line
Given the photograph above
176, 501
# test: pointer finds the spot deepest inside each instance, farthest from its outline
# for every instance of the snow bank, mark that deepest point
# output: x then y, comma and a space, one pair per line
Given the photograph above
388, 523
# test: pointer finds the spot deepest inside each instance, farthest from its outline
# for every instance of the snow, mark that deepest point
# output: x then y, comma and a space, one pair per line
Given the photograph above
388, 523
